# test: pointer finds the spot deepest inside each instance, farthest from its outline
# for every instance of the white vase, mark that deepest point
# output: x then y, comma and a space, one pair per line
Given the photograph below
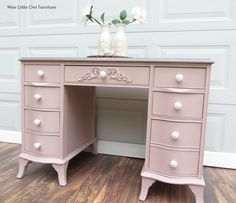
120, 41
104, 42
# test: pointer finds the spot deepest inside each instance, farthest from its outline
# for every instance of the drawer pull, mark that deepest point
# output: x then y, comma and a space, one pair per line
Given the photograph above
173, 164
37, 122
175, 135
37, 145
103, 74
178, 106
40, 73
37, 97
179, 77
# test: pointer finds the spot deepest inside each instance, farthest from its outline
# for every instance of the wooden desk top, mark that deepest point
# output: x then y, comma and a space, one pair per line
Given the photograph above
116, 59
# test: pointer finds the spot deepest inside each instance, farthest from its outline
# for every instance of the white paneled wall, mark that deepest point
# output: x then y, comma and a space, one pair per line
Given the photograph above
174, 29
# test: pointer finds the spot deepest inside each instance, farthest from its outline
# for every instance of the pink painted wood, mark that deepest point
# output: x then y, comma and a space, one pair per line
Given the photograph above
161, 160
198, 191
146, 183
79, 118
121, 76
61, 129
42, 73
43, 145
176, 134
61, 171
23, 164
66, 110
42, 97
191, 105
42, 121
177, 161
192, 77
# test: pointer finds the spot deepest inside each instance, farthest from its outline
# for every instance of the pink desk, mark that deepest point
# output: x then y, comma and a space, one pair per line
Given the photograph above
58, 113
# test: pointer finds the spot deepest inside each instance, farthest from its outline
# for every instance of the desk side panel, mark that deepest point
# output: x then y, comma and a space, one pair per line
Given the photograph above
22, 104
79, 116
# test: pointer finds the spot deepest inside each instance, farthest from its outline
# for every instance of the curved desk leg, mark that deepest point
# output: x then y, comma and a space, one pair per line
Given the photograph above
61, 170
198, 191
146, 184
23, 164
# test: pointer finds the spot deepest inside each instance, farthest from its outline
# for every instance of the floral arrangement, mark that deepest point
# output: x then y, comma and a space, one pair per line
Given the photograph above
119, 45
138, 13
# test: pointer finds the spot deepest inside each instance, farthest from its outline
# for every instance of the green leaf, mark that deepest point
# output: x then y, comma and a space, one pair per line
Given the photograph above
89, 17
115, 21
103, 18
123, 15
126, 22
91, 10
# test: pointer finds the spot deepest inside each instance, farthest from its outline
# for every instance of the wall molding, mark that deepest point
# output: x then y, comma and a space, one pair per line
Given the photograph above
214, 159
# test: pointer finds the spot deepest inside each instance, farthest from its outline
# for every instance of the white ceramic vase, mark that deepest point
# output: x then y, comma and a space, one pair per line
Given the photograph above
104, 42
120, 41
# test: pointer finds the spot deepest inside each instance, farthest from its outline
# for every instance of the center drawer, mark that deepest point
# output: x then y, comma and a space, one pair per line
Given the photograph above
41, 145
174, 162
178, 105
42, 122
107, 75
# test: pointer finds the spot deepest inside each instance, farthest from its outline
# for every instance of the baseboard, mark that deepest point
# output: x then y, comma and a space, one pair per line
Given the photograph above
220, 159
10, 136
215, 159
121, 149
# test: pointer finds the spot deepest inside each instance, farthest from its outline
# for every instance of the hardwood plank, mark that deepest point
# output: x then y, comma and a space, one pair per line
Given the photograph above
101, 179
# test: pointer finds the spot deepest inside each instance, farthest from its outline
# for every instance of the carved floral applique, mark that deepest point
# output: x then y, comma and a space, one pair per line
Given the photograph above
112, 72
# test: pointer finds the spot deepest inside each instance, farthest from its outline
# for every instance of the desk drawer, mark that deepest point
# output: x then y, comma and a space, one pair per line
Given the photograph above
176, 134
42, 73
41, 145
42, 97
107, 75
174, 162
180, 77
42, 122
178, 105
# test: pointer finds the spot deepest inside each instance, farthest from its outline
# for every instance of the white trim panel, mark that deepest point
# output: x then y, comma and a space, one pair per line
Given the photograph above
10, 136
121, 149
220, 159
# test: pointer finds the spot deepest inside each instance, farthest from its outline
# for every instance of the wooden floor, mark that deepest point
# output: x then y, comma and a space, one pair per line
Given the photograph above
101, 179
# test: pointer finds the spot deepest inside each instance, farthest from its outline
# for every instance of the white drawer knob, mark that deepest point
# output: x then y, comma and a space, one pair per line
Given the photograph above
37, 122
40, 73
37, 97
37, 145
179, 77
173, 164
175, 135
178, 106
103, 74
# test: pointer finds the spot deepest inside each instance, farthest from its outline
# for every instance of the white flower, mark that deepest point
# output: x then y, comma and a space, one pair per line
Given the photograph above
85, 12
139, 14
